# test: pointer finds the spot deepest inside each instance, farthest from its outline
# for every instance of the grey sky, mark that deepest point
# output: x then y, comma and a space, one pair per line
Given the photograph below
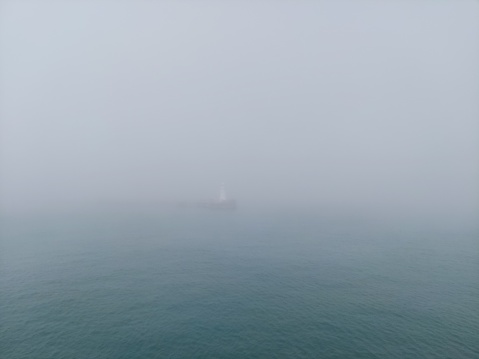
355, 104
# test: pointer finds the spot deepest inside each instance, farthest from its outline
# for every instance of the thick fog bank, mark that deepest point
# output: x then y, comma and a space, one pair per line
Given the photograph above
365, 107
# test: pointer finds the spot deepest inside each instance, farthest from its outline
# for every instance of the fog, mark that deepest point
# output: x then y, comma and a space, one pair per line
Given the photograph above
349, 105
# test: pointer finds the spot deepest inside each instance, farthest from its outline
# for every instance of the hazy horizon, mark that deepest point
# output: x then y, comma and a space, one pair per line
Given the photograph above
363, 106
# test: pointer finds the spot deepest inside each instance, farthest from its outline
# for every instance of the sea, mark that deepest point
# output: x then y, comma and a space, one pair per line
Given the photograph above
191, 283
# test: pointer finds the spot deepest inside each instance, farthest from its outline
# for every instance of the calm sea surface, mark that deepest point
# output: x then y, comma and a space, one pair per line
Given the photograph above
199, 284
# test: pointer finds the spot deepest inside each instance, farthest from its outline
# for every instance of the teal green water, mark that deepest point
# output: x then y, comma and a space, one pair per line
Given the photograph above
192, 284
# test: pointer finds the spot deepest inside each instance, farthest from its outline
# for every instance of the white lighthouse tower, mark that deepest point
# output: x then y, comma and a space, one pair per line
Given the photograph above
222, 196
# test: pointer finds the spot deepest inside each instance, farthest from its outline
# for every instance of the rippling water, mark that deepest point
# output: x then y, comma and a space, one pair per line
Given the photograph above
191, 284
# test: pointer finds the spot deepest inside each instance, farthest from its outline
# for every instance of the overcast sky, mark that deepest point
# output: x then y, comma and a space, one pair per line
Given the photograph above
354, 104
